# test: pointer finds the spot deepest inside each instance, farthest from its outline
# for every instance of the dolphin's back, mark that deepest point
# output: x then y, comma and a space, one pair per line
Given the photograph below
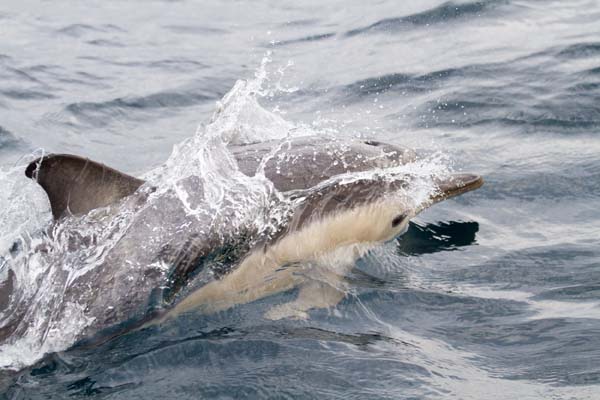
305, 162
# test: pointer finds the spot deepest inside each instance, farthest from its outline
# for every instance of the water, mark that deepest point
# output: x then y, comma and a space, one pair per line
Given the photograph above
492, 295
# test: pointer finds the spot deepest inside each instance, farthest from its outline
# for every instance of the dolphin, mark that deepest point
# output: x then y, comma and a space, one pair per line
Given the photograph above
151, 260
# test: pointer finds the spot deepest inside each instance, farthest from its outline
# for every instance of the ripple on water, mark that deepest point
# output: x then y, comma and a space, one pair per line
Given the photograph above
416, 83
105, 43
536, 186
535, 269
558, 350
174, 64
580, 50
445, 13
9, 143
195, 30
80, 30
257, 363
101, 113
20, 94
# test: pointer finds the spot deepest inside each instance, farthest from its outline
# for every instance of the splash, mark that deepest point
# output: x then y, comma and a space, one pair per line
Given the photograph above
23, 207
44, 263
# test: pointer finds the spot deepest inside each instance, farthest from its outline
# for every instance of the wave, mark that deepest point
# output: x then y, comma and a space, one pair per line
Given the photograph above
174, 64
300, 23
594, 71
584, 291
444, 13
79, 30
406, 83
195, 30
157, 100
533, 267
5, 133
8, 142
535, 186
22, 74
40, 81
305, 39
105, 43
16, 94
461, 97
580, 50
579, 116
101, 113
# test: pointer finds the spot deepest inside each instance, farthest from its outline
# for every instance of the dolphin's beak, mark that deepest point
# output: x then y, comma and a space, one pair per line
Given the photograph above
454, 185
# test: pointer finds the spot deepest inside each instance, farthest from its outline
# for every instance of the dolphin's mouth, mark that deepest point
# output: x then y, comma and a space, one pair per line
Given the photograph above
454, 185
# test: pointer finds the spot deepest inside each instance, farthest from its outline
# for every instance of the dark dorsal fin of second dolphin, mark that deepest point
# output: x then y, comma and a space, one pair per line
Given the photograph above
77, 185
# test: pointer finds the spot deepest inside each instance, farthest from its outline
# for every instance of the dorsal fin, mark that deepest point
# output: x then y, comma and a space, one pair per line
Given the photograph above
77, 185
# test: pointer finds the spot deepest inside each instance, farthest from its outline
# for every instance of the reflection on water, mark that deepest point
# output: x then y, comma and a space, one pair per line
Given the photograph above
432, 238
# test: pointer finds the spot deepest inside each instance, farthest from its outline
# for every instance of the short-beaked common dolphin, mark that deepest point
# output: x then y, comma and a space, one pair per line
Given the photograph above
160, 259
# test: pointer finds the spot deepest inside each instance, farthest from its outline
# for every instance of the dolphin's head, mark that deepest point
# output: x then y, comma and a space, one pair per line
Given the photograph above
370, 210
401, 209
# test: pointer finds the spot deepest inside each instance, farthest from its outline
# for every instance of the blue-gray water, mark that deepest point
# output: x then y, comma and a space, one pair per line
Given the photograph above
494, 295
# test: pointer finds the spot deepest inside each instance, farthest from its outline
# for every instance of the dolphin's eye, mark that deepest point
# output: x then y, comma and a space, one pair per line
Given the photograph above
398, 220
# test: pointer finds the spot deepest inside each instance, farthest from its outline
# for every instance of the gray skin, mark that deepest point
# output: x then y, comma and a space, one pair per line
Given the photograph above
158, 254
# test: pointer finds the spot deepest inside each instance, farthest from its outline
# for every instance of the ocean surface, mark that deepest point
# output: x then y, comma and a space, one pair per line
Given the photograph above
492, 295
